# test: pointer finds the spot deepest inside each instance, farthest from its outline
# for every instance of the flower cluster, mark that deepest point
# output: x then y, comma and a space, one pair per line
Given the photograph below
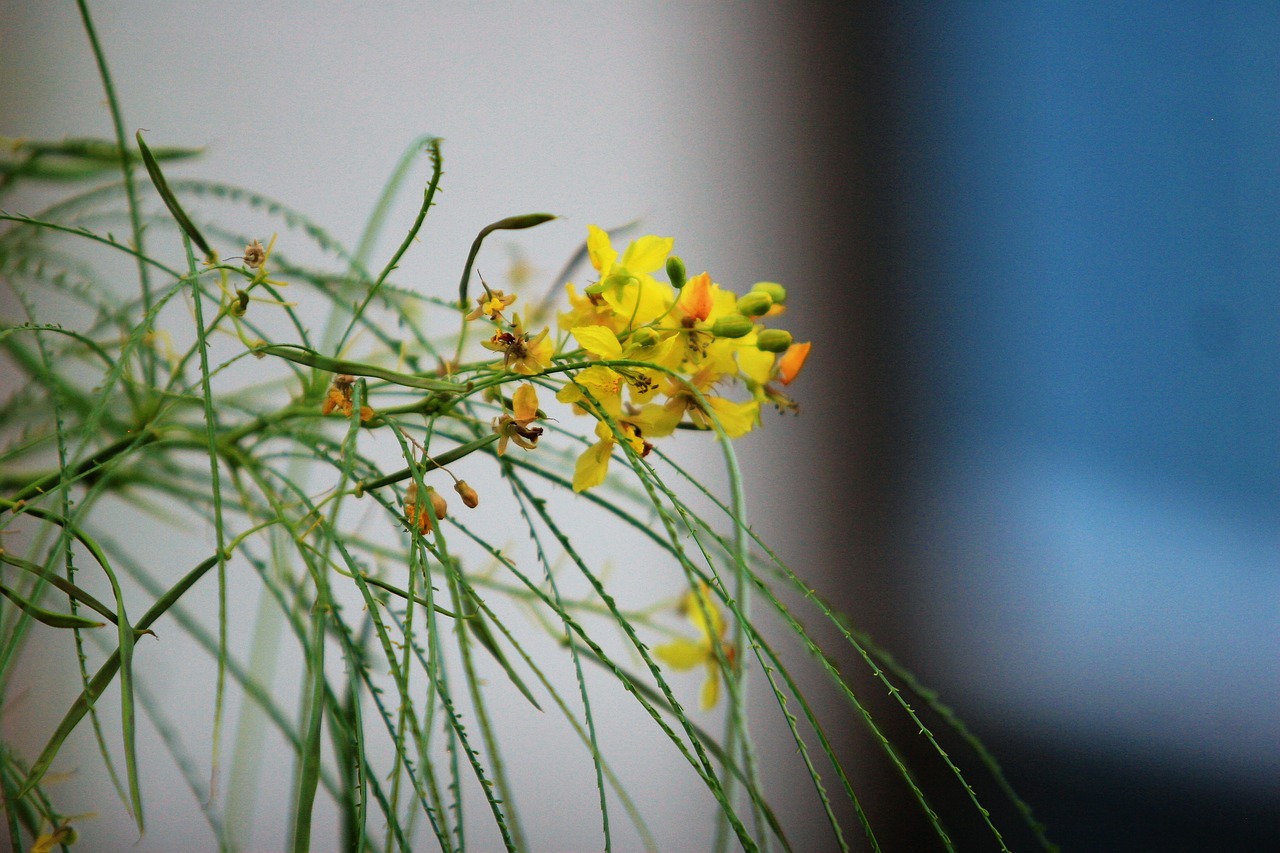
659, 354
645, 357
666, 351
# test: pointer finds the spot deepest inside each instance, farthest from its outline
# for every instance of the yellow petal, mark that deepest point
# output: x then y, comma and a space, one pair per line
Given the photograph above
603, 255
645, 388
600, 341
737, 419
700, 607
755, 364
525, 403
681, 654
719, 358
570, 393
592, 466
658, 419
711, 688
603, 383
726, 302
647, 254
639, 300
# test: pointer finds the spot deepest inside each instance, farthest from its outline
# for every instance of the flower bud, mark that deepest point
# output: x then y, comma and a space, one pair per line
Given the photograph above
732, 326
774, 340
644, 337
438, 505
676, 272
755, 304
776, 292
468, 494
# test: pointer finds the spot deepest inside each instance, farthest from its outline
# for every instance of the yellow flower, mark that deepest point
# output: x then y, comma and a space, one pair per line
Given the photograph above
683, 654
515, 427
634, 295
737, 419
491, 305
520, 353
593, 465
702, 302
589, 310
785, 371
603, 384
643, 344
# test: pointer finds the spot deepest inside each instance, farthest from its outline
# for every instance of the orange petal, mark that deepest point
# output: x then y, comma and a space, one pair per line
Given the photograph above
696, 297
792, 361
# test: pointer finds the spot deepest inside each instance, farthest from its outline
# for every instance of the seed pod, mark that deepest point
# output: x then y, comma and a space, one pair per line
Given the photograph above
774, 340
438, 505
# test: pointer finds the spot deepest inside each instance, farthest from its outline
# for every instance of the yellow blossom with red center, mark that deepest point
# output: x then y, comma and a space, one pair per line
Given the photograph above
520, 353
516, 426
700, 304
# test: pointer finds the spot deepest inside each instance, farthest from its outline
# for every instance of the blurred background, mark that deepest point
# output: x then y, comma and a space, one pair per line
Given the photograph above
1036, 250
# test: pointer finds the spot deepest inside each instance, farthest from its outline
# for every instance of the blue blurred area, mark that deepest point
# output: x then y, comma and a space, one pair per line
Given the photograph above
1111, 181
1090, 211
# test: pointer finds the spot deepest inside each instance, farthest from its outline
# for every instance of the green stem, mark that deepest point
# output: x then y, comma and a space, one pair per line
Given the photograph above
126, 167
311, 358
210, 420
428, 198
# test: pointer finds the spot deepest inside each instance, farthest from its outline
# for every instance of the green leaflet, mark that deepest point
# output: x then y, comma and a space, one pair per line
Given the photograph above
171, 201
49, 617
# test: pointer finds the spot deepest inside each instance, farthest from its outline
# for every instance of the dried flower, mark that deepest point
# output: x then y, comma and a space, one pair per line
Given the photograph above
255, 255
340, 398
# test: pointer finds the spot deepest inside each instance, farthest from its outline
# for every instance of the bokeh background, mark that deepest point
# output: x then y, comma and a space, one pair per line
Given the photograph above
1036, 248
